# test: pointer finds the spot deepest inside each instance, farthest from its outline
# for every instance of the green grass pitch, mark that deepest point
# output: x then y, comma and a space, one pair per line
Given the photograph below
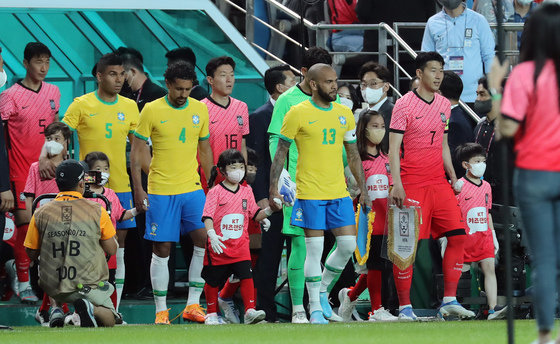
460, 332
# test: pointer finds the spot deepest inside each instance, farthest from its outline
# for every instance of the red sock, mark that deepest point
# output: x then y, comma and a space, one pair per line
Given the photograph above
374, 287
403, 281
248, 293
254, 260
22, 260
114, 298
229, 289
211, 294
65, 308
452, 264
46, 304
359, 288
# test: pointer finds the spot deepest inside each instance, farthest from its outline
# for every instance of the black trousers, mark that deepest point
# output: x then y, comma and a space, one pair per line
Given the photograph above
267, 266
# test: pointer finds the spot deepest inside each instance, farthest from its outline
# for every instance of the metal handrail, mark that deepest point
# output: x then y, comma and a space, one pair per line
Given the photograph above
268, 53
291, 13
253, 17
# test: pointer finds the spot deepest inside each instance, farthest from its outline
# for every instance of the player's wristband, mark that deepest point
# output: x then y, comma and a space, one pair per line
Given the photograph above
497, 97
134, 212
268, 211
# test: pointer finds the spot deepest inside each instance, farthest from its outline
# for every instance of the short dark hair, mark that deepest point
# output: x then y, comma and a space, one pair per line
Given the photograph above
424, 57
180, 70
130, 51
92, 157
451, 85
483, 81
274, 76
252, 157
131, 58
469, 150
316, 55
182, 54
35, 49
55, 127
216, 62
353, 93
381, 71
110, 59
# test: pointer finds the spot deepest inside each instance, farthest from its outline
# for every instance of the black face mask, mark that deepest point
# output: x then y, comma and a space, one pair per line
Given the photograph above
451, 4
482, 107
250, 177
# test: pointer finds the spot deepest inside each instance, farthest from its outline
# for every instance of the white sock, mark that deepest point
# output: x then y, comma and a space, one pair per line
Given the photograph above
447, 299
345, 246
404, 306
23, 285
297, 308
159, 275
196, 282
312, 271
119, 275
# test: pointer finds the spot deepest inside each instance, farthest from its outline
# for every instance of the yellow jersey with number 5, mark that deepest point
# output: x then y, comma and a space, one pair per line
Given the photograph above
104, 127
175, 133
319, 134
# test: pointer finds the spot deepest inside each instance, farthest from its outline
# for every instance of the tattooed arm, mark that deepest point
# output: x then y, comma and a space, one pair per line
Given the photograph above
276, 170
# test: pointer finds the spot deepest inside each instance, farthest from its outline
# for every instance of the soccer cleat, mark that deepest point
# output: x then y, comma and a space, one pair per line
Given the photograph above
162, 318
56, 318
194, 313
346, 305
407, 314
454, 308
28, 296
317, 318
356, 315
499, 312
382, 314
231, 314
119, 320
299, 318
42, 317
325, 305
213, 319
84, 308
72, 319
252, 316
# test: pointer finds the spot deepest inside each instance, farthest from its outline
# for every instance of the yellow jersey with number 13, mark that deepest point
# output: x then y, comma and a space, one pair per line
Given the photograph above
104, 127
319, 134
175, 133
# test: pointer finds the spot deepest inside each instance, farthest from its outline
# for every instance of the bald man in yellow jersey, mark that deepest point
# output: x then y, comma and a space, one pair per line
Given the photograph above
321, 129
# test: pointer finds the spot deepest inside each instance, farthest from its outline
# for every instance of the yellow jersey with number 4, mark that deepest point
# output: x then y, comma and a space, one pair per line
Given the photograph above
104, 127
319, 134
175, 133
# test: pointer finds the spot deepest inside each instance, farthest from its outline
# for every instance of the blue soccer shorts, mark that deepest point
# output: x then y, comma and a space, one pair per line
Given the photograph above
170, 216
127, 202
323, 214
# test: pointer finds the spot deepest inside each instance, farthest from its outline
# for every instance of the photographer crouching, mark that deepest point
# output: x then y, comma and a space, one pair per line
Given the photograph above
72, 235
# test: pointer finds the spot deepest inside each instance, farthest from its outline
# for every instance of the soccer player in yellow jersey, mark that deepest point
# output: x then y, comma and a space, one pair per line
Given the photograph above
104, 120
177, 126
321, 129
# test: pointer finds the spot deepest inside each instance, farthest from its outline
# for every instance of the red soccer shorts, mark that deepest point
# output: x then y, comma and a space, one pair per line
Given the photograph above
440, 210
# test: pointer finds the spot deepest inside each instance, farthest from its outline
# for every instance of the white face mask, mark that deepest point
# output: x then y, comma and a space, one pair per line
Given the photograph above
347, 102
372, 95
478, 169
53, 147
104, 178
236, 175
524, 2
